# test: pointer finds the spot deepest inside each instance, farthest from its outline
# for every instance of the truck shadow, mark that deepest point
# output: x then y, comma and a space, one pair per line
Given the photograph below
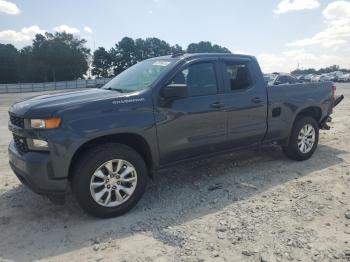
178, 195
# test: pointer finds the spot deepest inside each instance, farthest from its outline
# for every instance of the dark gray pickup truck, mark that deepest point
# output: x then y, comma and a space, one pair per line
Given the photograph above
106, 143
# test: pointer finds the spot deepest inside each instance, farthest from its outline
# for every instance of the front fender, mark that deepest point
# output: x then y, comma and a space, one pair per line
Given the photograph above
98, 120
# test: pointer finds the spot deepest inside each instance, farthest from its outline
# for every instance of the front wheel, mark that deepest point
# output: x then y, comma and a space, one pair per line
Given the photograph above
303, 140
109, 180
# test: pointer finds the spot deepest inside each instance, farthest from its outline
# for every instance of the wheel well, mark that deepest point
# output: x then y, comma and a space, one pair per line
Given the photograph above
136, 142
313, 112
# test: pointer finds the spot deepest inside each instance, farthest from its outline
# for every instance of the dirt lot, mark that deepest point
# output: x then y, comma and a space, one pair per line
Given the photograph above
255, 205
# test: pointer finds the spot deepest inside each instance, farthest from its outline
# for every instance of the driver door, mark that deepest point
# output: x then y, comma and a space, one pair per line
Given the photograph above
194, 125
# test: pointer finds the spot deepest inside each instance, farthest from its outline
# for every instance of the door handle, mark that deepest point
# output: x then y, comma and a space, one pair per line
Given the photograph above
217, 105
257, 100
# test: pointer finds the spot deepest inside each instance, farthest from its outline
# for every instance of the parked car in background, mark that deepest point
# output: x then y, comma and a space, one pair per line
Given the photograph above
300, 78
337, 75
281, 79
315, 78
268, 77
307, 78
344, 78
327, 77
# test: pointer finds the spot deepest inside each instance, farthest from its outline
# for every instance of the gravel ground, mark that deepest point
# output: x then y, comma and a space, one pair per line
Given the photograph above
255, 205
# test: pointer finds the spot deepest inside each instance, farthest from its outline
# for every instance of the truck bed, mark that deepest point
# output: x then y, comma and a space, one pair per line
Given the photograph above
286, 101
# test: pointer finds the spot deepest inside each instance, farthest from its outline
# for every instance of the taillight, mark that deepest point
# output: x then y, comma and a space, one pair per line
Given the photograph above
334, 88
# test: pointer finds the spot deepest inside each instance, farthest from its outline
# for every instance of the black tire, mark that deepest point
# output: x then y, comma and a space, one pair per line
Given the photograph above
292, 150
85, 167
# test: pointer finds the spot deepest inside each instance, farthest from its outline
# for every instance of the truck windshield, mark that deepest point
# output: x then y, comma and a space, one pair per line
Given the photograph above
140, 76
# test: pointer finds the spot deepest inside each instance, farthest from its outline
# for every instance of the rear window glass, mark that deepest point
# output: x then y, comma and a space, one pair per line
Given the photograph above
238, 75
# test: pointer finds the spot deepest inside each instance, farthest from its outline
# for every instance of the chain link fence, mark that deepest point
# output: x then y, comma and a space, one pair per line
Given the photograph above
51, 86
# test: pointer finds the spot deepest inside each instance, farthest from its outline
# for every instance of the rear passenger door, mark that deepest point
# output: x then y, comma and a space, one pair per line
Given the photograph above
245, 102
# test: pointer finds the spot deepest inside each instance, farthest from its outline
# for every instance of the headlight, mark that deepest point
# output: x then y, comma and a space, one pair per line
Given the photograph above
45, 123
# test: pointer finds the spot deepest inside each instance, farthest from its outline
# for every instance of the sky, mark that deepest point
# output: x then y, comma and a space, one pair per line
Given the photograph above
282, 34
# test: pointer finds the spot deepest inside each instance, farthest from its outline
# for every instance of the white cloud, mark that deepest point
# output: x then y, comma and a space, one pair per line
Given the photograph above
325, 48
241, 52
286, 6
337, 10
289, 60
25, 35
9, 8
67, 29
88, 29
337, 31
270, 62
315, 59
300, 54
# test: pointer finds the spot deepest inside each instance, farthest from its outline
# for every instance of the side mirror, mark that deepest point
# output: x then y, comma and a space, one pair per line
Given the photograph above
174, 91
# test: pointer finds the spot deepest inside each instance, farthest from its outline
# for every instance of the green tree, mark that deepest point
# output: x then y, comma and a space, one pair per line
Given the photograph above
328, 69
155, 47
102, 63
176, 49
128, 51
59, 57
9, 56
304, 71
123, 55
206, 47
30, 68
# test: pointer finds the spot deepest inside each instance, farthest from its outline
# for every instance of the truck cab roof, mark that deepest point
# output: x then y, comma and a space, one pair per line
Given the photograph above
185, 56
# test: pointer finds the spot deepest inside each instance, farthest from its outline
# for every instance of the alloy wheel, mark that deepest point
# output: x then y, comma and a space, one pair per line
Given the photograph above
306, 138
113, 183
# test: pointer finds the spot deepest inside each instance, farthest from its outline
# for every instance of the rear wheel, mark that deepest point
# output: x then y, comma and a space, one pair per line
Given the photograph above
303, 140
109, 180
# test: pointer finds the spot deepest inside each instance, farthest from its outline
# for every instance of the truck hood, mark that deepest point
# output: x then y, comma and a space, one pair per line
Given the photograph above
46, 105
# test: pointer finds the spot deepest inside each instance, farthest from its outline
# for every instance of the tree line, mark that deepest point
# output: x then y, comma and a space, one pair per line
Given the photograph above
51, 57
127, 52
325, 70
65, 57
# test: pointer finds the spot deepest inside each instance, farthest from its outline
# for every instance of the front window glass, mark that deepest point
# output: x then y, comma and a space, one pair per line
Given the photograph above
140, 76
200, 79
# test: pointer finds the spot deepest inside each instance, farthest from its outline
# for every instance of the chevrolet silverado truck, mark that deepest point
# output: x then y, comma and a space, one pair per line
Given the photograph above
107, 142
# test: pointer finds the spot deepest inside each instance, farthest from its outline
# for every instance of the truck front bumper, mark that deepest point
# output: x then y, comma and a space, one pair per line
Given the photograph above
34, 170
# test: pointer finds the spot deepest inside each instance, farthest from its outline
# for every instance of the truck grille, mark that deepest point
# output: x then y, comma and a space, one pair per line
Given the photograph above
21, 144
17, 121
